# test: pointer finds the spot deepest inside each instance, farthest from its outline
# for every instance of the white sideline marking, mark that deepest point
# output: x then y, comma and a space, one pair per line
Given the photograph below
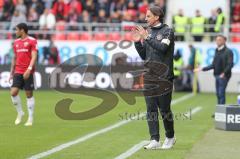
93, 134
194, 111
137, 147
132, 150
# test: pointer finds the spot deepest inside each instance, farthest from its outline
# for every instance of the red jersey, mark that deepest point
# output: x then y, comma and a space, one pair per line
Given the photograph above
23, 51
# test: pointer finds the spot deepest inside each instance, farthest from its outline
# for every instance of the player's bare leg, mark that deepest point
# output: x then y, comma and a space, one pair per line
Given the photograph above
30, 106
17, 103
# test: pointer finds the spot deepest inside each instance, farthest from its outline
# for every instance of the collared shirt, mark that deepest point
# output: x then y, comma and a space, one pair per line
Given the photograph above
221, 47
158, 25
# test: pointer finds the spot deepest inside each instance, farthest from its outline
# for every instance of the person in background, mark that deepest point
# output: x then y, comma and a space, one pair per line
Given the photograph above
21, 7
9, 55
73, 19
222, 65
17, 18
47, 21
51, 54
32, 18
180, 21
212, 22
220, 21
189, 80
178, 66
60, 9
197, 26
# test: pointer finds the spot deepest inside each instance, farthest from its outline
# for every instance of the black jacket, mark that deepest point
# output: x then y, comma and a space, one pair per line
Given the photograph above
158, 47
222, 62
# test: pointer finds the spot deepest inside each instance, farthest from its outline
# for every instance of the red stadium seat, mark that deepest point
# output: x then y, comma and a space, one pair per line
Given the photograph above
235, 27
85, 36
73, 36
127, 36
236, 39
115, 36
100, 36
59, 36
60, 26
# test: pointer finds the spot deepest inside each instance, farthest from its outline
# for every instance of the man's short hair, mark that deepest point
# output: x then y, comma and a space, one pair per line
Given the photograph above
157, 11
222, 36
23, 26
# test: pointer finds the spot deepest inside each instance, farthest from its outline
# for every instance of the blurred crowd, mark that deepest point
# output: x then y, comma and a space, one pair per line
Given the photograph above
48, 12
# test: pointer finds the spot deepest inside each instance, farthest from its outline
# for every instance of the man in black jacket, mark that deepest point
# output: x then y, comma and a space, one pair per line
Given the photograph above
156, 45
221, 65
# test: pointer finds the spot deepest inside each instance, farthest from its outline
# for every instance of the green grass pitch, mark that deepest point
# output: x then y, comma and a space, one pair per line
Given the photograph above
48, 131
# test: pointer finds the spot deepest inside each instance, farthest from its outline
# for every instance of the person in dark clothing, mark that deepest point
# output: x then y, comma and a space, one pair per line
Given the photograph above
221, 65
212, 22
157, 45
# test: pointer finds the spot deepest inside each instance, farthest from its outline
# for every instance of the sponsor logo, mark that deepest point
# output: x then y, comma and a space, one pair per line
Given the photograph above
227, 118
22, 50
25, 44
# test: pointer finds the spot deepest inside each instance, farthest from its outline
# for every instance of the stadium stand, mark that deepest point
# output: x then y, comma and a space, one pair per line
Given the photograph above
51, 16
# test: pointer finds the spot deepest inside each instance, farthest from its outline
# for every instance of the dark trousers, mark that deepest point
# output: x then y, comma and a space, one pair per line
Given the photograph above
161, 103
179, 38
197, 38
221, 84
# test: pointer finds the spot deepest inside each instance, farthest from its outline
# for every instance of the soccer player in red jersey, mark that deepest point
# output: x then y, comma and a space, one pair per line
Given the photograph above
22, 69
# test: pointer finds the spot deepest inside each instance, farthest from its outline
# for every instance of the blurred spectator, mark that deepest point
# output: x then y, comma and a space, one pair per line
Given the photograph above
76, 6
236, 19
180, 22
236, 12
115, 18
220, 21
47, 22
9, 55
194, 61
101, 16
104, 4
142, 8
51, 54
91, 7
141, 18
85, 18
32, 17
127, 21
73, 19
211, 22
117, 5
60, 10
17, 18
101, 19
132, 9
178, 67
21, 7
8, 10
161, 3
38, 6
197, 28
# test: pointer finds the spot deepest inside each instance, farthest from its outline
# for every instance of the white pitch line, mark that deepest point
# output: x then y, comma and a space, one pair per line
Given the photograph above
183, 98
132, 150
194, 111
93, 134
137, 147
